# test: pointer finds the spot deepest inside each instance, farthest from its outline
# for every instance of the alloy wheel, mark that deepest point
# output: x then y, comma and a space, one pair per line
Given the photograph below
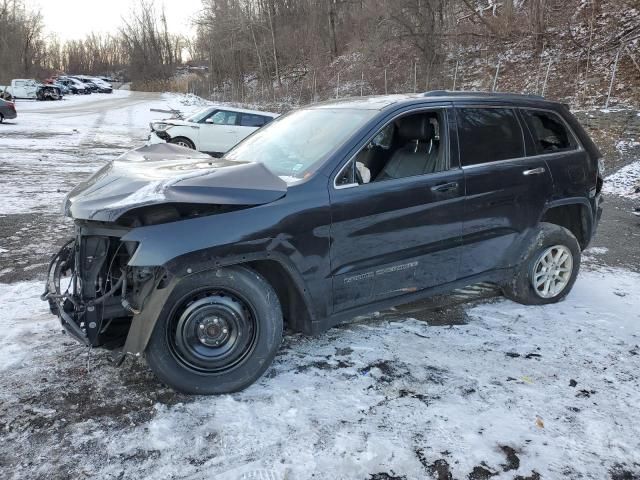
552, 271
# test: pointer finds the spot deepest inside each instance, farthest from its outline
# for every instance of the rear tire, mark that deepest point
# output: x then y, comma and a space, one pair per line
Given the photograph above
218, 332
183, 142
549, 268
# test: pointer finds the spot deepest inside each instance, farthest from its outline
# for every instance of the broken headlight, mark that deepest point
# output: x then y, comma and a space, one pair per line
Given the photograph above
159, 126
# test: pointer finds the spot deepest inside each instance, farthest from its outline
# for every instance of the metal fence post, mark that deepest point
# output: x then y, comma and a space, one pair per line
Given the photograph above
546, 78
385, 81
495, 79
338, 85
362, 84
613, 77
455, 75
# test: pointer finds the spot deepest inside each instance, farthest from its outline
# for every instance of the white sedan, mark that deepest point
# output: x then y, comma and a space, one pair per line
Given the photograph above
213, 130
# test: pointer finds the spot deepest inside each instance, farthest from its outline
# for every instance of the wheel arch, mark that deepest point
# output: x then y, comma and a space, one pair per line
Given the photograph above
274, 267
574, 214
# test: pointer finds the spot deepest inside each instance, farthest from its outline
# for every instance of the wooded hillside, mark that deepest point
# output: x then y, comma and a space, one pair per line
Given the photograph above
296, 51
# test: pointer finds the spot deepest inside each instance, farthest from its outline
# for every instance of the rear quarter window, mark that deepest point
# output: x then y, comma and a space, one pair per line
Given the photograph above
550, 133
488, 135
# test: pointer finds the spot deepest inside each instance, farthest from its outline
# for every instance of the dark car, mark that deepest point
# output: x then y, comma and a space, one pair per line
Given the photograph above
7, 110
328, 212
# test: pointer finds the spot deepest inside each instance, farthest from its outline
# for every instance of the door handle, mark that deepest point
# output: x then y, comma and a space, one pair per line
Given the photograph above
445, 187
534, 171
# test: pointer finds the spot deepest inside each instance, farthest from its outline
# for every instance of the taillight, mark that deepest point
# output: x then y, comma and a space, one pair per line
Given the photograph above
12, 106
600, 176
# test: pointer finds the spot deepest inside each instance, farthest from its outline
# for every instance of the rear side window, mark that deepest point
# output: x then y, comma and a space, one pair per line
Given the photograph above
488, 135
251, 120
549, 132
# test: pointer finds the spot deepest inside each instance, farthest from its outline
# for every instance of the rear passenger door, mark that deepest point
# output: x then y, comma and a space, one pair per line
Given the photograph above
566, 159
506, 191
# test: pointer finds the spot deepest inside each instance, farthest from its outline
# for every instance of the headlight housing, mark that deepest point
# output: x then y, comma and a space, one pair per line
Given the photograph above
159, 126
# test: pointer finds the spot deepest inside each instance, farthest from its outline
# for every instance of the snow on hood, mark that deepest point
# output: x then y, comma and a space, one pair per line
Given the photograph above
166, 173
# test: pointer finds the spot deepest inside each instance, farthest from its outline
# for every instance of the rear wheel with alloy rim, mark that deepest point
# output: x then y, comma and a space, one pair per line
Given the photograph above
549, 268
218, 332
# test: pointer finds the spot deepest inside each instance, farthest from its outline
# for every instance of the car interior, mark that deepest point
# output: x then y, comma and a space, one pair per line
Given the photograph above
407, 147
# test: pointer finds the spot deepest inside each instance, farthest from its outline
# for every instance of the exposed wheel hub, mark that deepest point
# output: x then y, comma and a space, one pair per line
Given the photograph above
213, 330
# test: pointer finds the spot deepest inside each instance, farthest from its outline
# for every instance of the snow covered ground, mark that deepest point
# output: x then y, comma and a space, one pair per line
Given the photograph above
516, 390
489, 389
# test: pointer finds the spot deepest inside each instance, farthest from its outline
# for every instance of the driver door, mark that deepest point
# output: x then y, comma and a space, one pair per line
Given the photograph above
218, 132
393, 237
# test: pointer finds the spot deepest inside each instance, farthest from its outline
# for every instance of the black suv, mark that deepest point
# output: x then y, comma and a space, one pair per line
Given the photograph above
328, 212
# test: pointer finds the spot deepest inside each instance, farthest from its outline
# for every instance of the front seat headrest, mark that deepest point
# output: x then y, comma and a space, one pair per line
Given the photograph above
416, 127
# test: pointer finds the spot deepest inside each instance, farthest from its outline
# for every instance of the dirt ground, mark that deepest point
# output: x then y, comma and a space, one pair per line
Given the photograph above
64, 410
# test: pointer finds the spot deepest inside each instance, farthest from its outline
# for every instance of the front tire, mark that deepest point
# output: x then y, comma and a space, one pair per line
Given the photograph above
218, 332
549, 268
183, 142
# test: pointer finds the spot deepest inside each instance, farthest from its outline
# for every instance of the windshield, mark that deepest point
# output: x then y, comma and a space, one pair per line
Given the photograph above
295, 145
199, 115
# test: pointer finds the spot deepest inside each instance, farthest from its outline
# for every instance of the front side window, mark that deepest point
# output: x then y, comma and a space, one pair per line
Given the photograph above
549, 132
488, 135
296, 144
407, 147
223, 117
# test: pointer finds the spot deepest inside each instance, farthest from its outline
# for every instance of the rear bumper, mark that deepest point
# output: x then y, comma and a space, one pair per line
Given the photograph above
9, 114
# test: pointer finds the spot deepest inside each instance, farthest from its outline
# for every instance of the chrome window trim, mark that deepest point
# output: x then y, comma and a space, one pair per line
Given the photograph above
445, 108
518, 159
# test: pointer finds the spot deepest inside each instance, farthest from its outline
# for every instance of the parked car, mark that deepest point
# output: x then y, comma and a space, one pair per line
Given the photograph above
26, 88
94, 83
88, 84
7, 110
213, 130
48, 92
328, 212
63, 88
30, 89
75, 86
103, 87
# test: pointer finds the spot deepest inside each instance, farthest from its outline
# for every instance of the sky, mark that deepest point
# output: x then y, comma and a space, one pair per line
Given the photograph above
103, 16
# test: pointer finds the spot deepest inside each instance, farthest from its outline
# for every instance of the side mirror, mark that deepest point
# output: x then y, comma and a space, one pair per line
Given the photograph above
209, 121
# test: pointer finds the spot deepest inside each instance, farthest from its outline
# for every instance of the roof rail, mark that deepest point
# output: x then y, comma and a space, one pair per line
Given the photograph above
469, 93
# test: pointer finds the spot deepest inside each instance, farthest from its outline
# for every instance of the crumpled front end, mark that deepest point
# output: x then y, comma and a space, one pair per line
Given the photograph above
91, 288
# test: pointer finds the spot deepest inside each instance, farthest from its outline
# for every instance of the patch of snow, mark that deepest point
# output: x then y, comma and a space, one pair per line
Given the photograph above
557, 383
624, 182
596, 250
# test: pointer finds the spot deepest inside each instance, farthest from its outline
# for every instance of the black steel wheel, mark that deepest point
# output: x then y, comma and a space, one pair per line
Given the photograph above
212, 331
217, 333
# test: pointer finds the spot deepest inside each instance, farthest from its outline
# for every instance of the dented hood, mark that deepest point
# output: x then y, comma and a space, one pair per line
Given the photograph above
165, 173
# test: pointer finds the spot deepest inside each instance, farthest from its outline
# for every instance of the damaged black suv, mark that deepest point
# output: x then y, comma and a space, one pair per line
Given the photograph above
328, 212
